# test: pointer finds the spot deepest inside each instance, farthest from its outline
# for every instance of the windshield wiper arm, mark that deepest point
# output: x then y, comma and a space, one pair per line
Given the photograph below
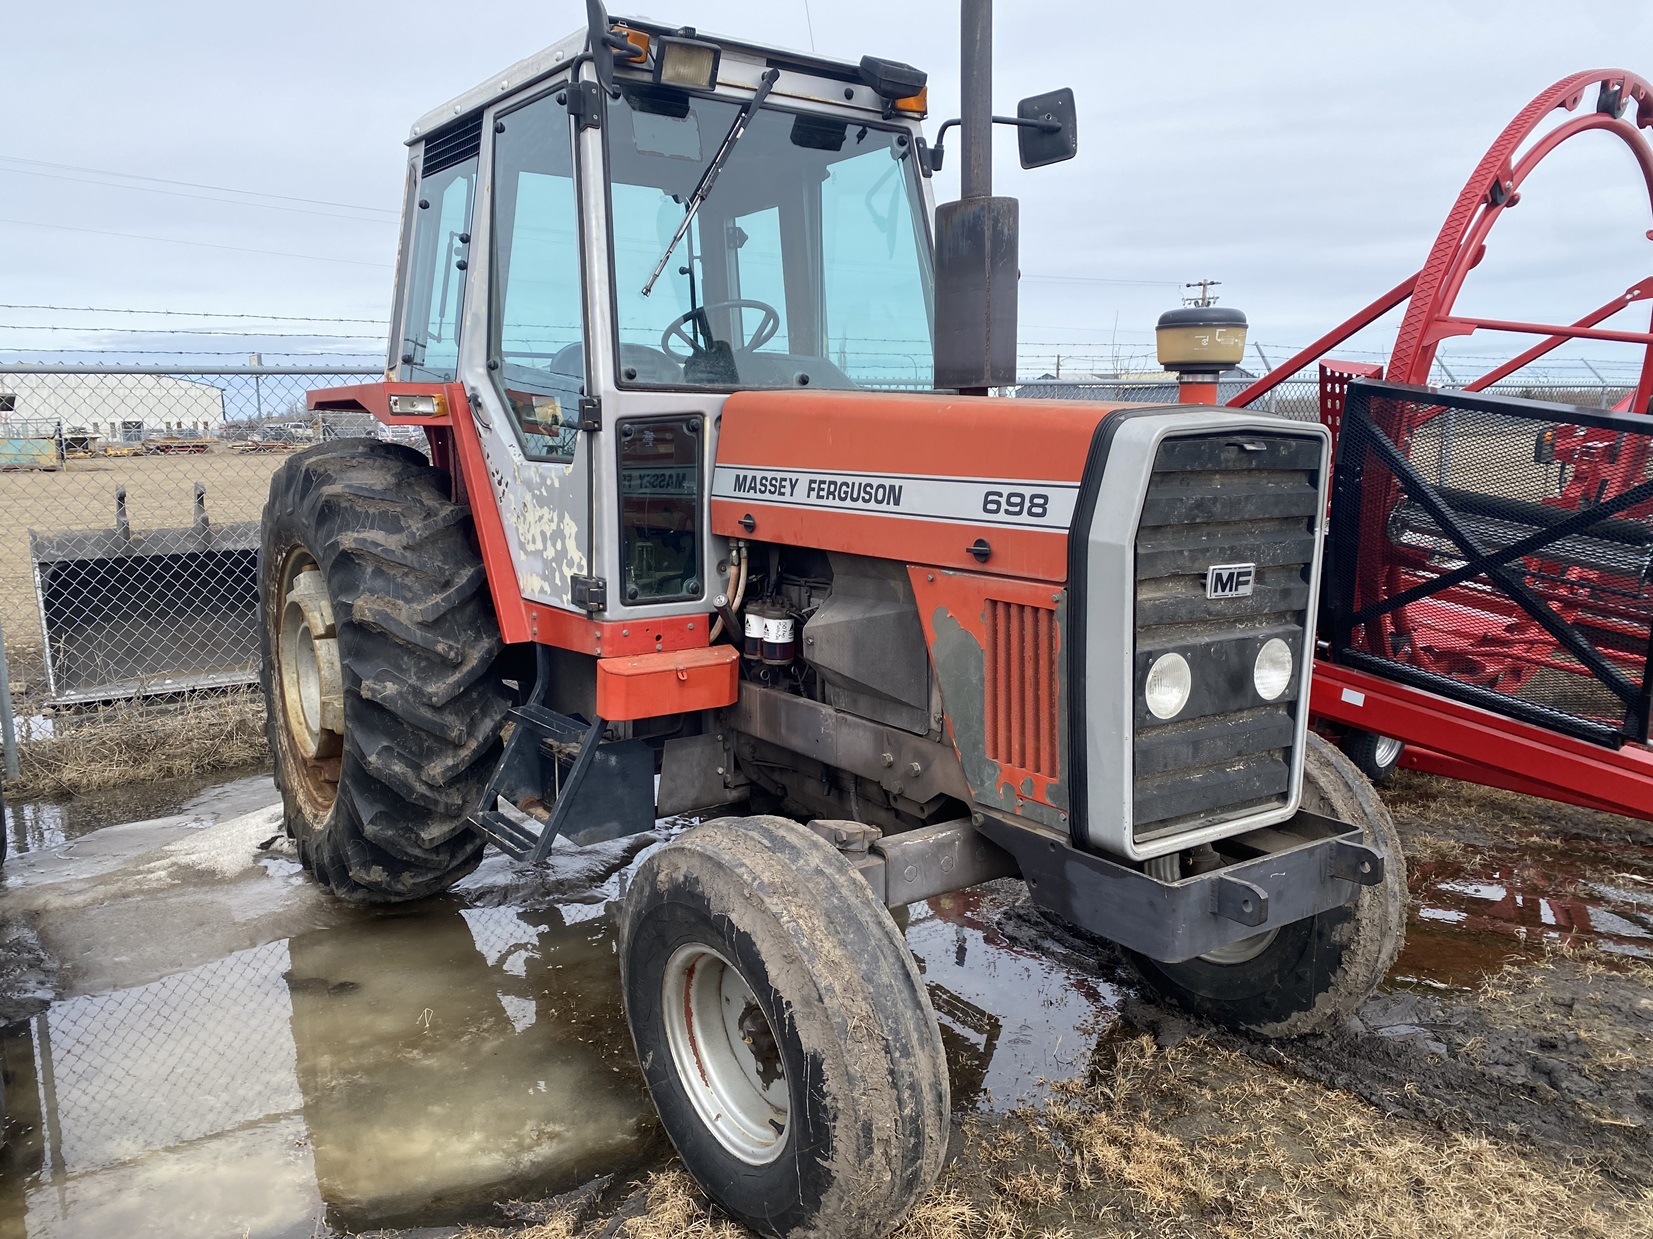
703, 190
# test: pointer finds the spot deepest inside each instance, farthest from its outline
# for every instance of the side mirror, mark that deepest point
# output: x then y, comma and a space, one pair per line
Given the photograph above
1053, 134
597, 38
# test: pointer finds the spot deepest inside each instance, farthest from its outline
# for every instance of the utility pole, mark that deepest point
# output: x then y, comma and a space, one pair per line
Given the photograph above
1203, 297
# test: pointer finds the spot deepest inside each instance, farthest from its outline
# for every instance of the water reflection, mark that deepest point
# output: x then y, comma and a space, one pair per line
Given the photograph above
42, 825
1011, 1018
411, 1066
407, 1068
1468, 921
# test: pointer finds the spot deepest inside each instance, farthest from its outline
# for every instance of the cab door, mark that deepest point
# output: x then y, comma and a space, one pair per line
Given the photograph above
526, 356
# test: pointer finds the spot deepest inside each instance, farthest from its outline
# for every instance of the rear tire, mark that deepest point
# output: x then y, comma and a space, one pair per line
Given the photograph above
379, 643
1374, 756
1314, 973
784, 1030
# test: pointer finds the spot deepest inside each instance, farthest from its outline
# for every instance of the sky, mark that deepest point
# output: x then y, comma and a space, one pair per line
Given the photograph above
1304, 154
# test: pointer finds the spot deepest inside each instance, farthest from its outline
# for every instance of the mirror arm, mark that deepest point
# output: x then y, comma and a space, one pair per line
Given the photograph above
938, 152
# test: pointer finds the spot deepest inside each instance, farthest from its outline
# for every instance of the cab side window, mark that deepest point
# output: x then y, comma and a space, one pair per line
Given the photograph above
438, 250
537, 344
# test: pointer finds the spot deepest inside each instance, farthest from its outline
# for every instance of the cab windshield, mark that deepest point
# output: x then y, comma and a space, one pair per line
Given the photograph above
808, 264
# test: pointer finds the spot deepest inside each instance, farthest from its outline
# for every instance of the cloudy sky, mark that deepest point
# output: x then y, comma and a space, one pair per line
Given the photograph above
1304, 154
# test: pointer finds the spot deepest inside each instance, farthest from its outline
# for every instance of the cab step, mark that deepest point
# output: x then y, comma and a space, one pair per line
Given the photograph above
559, 776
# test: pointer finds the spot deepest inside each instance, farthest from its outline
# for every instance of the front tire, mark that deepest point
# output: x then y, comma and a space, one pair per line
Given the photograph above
379, 643
784, 1031
1311, 974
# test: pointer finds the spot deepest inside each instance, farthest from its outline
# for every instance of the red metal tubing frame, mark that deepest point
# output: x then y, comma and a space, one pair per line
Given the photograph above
1461, 244
1493, 188
1446, 737
1463, 742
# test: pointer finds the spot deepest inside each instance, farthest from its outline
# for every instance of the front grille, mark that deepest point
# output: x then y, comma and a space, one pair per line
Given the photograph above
1235, 498
1021, 687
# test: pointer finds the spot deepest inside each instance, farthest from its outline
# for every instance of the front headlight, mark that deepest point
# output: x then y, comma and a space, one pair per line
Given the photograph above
1272, 672
1169, 683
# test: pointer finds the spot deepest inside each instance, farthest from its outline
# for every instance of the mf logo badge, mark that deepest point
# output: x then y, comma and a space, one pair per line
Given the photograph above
1230, 580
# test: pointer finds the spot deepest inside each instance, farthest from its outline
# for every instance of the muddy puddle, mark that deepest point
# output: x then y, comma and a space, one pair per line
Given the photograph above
34, 825
208, 1045
319, 1064
1468, 919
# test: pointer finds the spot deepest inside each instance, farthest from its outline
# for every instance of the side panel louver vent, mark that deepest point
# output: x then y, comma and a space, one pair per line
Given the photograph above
452, 145
1021, 705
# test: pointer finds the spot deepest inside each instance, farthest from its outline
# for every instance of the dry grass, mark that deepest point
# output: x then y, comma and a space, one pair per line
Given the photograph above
1199, 1142
139, 742
559, 1225
1428, 804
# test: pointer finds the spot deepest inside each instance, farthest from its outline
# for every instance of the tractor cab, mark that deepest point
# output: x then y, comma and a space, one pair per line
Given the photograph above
625, 252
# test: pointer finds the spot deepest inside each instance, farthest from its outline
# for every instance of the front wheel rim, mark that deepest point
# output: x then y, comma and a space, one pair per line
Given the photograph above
1168, 868
725, 1054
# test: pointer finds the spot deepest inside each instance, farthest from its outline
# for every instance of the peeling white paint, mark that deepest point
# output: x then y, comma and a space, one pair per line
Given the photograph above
541, 505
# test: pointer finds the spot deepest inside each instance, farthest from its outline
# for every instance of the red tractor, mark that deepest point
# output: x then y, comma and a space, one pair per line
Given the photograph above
716, 513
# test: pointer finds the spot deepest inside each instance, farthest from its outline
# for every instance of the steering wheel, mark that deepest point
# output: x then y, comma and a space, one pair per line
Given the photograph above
765, 332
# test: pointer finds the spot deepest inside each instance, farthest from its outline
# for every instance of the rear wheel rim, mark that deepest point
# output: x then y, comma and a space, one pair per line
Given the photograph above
725, 1054
309, 678
1386, 752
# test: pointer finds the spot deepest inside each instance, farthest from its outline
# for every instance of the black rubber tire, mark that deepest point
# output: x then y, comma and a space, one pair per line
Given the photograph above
1361, 748
1317, 971
865, 1069
418, 644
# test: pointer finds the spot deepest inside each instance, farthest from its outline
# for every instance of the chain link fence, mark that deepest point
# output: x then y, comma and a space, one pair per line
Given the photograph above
129, 515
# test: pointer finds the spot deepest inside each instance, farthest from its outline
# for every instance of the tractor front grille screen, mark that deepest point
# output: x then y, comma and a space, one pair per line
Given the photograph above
1224, 557
1498, 552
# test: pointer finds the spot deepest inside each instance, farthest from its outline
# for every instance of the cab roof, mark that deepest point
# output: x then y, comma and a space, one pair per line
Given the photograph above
803, 74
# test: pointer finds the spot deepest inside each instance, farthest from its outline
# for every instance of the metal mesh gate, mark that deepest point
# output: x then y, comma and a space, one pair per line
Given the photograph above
129, 540
1499, 552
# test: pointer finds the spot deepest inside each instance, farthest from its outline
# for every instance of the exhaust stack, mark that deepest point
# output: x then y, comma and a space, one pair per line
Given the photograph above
977, 236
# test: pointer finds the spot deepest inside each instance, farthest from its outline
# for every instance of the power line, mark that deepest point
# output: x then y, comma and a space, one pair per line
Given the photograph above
1097, 279
110, 309
240, 249
184, 331
170, 352
251, 193
178, 193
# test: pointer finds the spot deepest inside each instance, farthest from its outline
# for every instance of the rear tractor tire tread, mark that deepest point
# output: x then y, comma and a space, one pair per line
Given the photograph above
423, 704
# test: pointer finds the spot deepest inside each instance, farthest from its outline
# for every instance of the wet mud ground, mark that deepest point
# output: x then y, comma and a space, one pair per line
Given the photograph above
196, 1041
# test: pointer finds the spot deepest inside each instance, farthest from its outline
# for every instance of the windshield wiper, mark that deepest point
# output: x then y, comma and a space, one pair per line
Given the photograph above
703, 190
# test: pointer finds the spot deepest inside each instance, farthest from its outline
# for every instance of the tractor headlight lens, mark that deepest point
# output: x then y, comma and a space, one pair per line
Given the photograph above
1272, 671
1169, 683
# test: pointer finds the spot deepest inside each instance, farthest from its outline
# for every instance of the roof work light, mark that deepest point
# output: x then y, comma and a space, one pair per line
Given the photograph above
689, 64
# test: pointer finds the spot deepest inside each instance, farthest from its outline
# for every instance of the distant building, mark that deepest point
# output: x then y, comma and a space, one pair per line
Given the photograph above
117, 407
1143, 386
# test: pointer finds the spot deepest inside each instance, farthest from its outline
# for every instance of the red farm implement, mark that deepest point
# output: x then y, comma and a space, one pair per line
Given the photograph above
1489, 579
